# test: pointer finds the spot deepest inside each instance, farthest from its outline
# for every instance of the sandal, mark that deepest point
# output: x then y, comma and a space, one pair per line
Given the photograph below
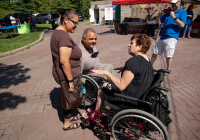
72, 126
75, 118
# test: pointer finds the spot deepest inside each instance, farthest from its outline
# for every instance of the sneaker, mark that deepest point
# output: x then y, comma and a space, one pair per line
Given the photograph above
168, 72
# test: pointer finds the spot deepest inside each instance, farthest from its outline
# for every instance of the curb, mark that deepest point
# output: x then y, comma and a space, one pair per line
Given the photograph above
24, 47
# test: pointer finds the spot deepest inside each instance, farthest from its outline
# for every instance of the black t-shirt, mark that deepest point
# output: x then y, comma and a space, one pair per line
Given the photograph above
142, 80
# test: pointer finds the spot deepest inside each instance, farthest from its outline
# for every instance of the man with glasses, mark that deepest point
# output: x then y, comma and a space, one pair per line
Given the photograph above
173, 22
90, 58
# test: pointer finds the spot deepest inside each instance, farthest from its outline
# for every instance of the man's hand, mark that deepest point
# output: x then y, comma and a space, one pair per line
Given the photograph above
71, 87
120, 69
172, 14
189, 15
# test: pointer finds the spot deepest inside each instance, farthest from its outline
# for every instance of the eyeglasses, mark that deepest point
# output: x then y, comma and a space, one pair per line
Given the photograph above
76, 23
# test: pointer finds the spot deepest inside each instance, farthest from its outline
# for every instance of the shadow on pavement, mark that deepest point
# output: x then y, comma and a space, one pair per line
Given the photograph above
56, 102
12, 75
8, 100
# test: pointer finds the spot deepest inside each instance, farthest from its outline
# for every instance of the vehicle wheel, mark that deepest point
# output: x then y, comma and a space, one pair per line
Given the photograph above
91, 87
47, 21
137, 124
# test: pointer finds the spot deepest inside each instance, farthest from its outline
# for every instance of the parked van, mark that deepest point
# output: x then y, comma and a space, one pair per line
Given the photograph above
24, 17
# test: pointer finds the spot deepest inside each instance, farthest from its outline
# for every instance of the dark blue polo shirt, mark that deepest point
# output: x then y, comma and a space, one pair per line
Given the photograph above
189, 19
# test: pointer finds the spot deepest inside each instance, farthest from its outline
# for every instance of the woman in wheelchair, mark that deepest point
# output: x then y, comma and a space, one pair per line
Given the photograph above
137, 75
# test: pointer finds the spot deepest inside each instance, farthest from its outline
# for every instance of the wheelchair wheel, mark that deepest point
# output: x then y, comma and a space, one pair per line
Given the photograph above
91, 87
99, 79
137, 124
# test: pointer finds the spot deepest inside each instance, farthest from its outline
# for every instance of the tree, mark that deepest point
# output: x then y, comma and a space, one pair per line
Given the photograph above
24, 6
6, 5
86, 5
49, 6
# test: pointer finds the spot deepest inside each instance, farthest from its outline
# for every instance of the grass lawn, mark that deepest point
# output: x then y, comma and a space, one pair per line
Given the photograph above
20, 40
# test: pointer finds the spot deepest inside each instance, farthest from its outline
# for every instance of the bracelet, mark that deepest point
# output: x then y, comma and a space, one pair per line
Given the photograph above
69, 81
175, 18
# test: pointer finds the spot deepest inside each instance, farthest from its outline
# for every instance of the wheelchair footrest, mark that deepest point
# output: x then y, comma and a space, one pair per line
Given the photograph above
85, 123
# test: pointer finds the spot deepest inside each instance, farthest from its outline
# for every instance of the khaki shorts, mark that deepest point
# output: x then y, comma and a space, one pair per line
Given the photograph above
167, 46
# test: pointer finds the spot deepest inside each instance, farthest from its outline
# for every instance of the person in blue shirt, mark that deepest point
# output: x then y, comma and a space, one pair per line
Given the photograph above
188, 24
173, 22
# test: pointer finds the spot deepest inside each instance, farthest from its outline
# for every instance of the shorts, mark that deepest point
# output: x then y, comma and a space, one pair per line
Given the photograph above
165, 45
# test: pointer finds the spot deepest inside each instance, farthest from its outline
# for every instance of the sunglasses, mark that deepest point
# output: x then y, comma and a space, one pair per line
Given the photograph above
76, 23
94, 54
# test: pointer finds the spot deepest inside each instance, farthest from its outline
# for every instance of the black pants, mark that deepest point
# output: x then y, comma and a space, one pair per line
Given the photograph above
69, 113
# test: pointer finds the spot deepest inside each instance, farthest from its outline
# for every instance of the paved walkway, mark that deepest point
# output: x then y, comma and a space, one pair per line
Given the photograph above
30, 105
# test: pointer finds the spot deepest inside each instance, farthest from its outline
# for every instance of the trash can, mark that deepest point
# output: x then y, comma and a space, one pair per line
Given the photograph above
124, 29
151, 30
97, 21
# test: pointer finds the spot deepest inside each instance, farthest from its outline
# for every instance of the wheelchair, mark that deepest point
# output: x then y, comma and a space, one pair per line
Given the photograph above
128, 123
92, 84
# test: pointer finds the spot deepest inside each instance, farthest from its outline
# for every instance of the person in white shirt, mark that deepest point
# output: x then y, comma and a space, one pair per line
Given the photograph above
13, 22
58, 20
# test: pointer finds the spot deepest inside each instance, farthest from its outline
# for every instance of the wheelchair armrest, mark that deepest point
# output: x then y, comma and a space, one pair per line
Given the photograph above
161, 88
134, 99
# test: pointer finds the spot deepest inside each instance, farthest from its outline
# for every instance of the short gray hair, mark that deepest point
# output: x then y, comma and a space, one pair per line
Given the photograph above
87, 30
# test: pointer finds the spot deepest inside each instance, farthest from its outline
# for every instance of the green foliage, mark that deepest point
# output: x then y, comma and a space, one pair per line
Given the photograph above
44, 6
27, 6
20, 40
87, 5
4, 12
6, 5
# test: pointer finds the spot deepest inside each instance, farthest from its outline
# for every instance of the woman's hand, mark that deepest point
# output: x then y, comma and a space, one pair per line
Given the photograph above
71, 87
81, 58
101, 72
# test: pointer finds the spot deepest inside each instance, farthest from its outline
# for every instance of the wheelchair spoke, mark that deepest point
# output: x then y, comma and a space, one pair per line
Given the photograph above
136, 127
91, 90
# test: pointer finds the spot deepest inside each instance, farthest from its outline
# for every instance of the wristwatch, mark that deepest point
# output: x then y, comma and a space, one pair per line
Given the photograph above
69, 81
175, 18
